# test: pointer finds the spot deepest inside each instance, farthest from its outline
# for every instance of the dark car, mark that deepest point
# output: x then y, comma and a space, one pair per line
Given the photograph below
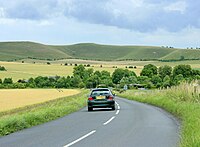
101, 98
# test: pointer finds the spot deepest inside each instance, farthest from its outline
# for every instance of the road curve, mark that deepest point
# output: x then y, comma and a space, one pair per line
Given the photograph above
132, 124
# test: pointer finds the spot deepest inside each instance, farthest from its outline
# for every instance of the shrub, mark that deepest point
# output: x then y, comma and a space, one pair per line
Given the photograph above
2, 68
8, 81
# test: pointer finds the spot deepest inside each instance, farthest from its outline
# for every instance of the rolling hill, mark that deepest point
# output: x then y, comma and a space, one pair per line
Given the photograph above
10, 51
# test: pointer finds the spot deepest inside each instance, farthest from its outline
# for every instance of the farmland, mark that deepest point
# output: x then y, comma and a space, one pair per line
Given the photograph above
18, 70
17, 98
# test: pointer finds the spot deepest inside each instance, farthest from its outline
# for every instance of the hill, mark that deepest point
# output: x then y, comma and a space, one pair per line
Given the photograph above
10, 51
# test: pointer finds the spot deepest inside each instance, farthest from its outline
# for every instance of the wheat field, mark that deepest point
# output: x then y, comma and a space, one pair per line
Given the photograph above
16, 98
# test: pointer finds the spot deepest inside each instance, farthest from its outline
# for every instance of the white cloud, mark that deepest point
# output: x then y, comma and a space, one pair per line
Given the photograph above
45, 23
2, 12
179, 6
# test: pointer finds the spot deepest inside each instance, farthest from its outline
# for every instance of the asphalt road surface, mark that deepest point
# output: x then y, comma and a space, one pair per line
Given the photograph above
132, 124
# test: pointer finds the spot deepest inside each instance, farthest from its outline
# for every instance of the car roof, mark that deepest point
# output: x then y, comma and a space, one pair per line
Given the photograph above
100, 89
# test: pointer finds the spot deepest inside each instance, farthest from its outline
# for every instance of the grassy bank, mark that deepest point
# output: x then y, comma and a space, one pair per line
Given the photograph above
14, 121
182, 101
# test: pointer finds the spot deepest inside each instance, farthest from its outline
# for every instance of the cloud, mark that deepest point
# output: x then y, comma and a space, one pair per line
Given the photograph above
141, 22
137, 15
179, 6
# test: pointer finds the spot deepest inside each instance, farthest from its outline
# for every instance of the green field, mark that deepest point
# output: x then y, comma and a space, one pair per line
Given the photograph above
12, 51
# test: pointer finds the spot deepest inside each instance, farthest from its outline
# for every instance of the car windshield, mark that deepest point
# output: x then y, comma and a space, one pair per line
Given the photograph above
100, 92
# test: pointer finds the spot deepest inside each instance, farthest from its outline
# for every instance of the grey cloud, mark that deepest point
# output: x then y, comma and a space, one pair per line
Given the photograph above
143, 16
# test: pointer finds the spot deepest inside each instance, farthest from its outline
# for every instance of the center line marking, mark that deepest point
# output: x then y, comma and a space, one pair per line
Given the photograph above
109, 120
81, 138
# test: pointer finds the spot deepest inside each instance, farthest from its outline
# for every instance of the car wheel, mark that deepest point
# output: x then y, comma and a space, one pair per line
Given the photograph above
90, 108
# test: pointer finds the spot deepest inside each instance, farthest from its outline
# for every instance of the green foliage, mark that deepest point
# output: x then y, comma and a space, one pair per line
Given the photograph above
149, 70
143, 80
166, 81
86, 77
157, 81
79, 71
164, 71
2, 68
119, 73
178, 79
75, 81
185, 70
8, 81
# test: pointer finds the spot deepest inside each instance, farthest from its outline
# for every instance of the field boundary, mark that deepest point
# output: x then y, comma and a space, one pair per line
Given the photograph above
15, 120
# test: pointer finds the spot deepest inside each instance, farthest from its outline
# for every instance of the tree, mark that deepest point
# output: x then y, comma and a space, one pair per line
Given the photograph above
143, 80
182, 58
119, 73
75, 81
93, 81
195, 72
178, 79
0, 81
63, 82
164, 71
2, 68
156, 80
8, 81
149, 70
79, 71
166, 82
185, 70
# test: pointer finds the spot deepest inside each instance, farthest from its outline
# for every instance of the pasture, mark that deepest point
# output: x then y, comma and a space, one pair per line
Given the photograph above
17, 98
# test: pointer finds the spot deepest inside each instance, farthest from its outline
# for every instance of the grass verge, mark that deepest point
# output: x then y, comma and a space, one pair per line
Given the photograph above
37, 114
182, 101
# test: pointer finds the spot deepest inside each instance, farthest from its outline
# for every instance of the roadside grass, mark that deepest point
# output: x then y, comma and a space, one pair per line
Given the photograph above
183, 102
12, 121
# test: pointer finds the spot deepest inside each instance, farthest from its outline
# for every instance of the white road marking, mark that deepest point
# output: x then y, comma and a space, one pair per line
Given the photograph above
117, 103
109, 120
81, 138
118, 107
117, 112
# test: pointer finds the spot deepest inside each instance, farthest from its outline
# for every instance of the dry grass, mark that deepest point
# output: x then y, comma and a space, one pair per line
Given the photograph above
16, 98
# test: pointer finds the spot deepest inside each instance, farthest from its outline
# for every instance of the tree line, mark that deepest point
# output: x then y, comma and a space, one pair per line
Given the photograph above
150, 77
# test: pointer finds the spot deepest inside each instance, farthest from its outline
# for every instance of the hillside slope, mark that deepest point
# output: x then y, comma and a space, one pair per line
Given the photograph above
10, 51
23, 50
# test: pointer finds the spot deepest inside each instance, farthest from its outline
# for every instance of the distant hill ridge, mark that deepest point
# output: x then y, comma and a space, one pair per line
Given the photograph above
10, 51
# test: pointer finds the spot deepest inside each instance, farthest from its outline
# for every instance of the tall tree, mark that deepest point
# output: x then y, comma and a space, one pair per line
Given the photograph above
164, 71
149, 70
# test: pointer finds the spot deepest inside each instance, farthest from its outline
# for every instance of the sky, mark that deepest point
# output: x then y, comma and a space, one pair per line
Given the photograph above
119, 22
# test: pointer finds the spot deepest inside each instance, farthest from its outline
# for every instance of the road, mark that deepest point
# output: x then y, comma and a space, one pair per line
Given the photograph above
132, 124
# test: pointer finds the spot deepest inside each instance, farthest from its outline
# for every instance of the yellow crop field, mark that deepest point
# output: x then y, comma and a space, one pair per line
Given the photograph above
18, 70
16, 98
